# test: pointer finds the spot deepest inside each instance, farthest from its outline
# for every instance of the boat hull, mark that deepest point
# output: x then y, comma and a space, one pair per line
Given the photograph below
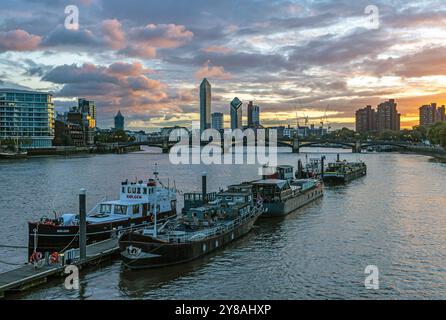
345, 177
154, 254
52, 238
278, 209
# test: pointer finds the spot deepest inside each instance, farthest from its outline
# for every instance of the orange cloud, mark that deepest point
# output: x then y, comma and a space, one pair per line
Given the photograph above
213, 72
18, 40
217, 49
113, 34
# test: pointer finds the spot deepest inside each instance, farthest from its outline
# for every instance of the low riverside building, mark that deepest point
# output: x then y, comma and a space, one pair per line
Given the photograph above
27, 117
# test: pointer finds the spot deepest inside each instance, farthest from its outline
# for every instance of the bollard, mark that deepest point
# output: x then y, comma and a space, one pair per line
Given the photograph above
203, 186
82, 225
322, 167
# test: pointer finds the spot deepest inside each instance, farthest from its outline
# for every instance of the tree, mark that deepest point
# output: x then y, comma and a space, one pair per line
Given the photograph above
113, 136
437, 134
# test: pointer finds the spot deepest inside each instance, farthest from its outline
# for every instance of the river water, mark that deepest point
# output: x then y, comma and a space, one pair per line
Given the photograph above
394, 218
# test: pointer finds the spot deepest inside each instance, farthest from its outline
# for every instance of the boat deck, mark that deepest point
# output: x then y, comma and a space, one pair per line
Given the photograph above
28, 276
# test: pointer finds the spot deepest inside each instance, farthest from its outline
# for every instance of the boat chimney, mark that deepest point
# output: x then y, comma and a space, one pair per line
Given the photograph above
203, 186
299, 169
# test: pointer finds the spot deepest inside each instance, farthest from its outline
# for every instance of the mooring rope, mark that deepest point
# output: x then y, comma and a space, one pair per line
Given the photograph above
12, 247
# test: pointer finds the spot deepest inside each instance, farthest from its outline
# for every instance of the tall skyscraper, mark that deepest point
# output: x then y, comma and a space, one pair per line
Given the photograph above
119, 121
366, 120
388, 116
217, 121
236, 114
255, 116
205, 105
27, 117
429, 114
250, 110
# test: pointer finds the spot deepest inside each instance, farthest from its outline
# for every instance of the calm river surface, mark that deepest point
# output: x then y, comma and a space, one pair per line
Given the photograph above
394, 218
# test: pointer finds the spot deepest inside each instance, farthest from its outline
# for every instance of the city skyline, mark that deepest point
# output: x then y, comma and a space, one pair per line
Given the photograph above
288, 56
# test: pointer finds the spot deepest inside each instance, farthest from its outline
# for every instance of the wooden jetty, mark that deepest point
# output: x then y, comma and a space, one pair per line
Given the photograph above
28, 276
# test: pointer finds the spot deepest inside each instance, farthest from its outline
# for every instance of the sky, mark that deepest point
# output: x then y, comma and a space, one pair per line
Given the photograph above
321, 59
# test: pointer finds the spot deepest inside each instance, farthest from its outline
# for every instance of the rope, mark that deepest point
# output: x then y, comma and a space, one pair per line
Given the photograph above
13, 247
68, 245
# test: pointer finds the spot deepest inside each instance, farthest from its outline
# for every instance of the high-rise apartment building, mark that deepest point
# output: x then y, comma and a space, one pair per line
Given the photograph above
388, 117
253, 115
236, 114
27, 117
366, 120
88, 110
429, 114
217, 121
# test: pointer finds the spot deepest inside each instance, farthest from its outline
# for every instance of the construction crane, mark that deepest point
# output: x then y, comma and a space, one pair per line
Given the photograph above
324, 119
297, 118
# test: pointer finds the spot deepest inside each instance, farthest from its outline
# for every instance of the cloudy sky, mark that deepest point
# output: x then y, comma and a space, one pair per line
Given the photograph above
293, 58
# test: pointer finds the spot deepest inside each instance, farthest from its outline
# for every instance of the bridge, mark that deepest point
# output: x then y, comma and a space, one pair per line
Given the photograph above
295, 144
356, 146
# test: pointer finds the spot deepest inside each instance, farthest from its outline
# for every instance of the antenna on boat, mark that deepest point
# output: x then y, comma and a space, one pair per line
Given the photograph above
155, 173
155, 213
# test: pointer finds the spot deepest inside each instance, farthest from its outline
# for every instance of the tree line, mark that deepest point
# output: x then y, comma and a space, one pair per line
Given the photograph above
435, 134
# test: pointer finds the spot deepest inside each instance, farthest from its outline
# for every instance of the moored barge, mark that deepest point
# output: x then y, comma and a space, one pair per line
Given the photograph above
200, 231
343, 171
281, 194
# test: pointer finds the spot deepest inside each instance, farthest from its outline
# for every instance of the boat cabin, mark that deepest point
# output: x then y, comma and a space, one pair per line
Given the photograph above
136, 200
272, 190
282, 172
304, 184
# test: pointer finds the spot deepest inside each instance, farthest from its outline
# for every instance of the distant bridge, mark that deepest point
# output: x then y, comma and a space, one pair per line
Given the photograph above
356, 146
295, 144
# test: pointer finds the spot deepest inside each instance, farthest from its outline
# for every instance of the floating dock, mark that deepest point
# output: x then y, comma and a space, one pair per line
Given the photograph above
29, 276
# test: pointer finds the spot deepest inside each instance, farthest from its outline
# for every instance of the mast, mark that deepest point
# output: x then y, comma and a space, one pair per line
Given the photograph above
155, 213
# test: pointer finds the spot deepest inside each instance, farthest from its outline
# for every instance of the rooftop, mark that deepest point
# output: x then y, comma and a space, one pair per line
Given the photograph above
9, 90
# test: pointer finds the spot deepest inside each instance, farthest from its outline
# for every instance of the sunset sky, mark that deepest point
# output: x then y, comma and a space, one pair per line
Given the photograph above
147, 58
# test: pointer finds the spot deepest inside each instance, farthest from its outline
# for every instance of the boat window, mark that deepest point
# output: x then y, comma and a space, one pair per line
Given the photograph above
123, 189
136, 209
144, 190
134, 189
139, 190
120, 209
105, 208
228, 198
129, 190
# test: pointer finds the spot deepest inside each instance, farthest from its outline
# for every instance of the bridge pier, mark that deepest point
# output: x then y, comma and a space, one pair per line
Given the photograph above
357, 147
165, 146
296, 146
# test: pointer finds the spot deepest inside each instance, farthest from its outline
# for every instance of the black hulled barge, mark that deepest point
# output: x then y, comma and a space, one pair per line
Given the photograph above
227, 216
344, 171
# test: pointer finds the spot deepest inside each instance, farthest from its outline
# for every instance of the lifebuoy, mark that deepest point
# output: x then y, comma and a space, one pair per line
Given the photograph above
151, 218
35, 257
54, 258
